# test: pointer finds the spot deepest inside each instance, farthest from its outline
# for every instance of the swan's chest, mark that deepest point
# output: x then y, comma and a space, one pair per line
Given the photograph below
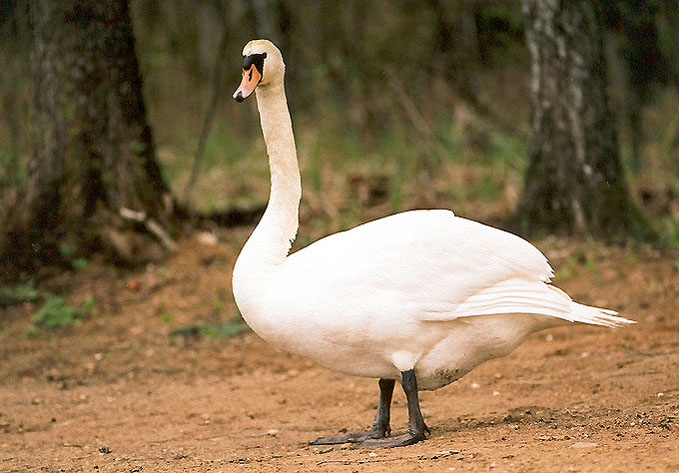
278, 314
303, 316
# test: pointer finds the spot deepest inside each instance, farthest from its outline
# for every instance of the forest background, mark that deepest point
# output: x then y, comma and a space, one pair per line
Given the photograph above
396, 105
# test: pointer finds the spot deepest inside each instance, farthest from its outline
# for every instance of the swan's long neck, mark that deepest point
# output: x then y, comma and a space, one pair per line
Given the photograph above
271, 240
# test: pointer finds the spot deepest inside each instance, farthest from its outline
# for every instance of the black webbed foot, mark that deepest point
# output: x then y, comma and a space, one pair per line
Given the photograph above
398, 441
351, 437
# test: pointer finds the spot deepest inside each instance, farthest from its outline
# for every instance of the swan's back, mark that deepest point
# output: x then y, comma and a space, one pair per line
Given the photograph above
420, 248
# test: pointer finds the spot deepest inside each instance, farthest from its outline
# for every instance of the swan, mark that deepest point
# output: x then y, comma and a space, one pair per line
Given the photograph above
421, 297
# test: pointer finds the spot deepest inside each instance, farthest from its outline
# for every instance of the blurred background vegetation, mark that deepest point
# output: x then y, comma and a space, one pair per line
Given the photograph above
396, 104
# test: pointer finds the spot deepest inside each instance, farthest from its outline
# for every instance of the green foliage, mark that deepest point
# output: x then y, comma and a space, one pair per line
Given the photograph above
69, 254
17, 295
79, 263
569, 269
57, 313
66, 250
670, 231
88, 305
489, 189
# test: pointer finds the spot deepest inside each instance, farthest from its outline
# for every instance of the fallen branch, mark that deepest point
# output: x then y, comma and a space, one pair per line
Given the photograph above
151, 225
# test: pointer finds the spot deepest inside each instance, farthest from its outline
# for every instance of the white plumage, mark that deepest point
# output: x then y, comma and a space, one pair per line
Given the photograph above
422, 291
405, 284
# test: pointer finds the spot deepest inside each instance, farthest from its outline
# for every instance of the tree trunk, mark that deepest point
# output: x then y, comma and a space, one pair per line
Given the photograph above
574, 182
93, 157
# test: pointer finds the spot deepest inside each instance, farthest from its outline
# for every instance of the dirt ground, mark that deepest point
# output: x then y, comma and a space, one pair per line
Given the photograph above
118, 394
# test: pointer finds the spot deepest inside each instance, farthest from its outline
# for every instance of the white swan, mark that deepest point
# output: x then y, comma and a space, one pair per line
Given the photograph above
421, 297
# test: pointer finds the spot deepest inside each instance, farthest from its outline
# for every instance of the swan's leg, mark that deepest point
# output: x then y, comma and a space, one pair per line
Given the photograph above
417, 429
380, 427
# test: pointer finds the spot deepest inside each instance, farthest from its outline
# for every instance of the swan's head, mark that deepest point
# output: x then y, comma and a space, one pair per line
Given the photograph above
262, 65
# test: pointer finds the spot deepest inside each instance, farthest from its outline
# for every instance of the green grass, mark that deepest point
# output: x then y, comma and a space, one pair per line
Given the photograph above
56, 313
668, 228
18, 294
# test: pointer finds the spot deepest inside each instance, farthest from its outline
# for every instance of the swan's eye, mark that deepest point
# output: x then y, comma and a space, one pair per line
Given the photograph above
256, 60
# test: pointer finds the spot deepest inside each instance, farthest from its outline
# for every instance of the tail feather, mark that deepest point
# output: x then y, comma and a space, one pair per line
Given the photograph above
531, 297
598, 316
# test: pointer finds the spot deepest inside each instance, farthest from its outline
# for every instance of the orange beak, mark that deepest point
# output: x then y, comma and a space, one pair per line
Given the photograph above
248, 83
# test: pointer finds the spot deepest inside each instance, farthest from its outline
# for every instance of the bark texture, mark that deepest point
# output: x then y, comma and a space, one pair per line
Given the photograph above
93, 150
574, 182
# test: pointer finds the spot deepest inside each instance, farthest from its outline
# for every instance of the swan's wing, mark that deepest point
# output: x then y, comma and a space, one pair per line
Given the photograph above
431, 265
436, 242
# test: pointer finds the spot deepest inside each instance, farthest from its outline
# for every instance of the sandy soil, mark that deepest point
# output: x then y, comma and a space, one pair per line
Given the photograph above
118, 394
